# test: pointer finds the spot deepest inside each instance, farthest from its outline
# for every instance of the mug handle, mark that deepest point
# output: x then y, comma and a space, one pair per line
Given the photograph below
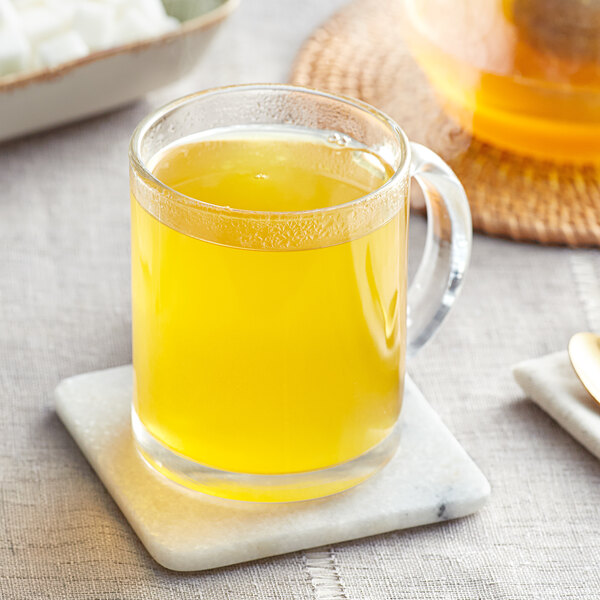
447, 247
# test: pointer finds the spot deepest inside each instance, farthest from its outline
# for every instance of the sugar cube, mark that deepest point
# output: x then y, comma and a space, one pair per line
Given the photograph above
15, 51
154, 9
119, 5
39, 22
20, 4
8, 15
95, 23
62, 48
169, 24
46, 33
66, 7
134, 25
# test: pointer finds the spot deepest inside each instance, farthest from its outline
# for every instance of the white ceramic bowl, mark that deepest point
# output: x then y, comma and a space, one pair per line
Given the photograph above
104, 80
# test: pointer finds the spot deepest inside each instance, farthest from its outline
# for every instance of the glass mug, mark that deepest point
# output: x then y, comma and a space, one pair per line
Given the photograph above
269, 345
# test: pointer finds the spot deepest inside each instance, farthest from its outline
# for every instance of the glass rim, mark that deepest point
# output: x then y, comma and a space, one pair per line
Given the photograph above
147, 122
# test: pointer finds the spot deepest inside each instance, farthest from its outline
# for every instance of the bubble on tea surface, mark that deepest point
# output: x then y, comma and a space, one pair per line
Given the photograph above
338, 139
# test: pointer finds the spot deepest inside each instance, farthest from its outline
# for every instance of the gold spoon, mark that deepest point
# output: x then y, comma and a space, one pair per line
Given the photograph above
584, 352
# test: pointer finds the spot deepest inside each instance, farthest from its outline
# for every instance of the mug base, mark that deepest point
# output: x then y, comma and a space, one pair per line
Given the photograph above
287, 487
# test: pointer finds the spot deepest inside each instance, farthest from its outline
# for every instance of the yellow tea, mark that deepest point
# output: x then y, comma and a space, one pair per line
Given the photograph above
268, 361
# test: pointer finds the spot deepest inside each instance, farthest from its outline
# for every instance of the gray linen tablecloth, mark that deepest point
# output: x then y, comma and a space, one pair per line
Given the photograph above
64, 309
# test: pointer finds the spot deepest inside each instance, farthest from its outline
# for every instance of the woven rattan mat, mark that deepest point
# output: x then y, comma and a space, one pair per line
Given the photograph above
360, 53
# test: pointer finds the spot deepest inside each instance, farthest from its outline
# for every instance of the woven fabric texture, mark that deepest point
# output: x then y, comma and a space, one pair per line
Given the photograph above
64, 309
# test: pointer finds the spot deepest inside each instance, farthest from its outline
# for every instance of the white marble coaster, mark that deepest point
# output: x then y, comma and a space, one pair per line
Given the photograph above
552, 384
431, 479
